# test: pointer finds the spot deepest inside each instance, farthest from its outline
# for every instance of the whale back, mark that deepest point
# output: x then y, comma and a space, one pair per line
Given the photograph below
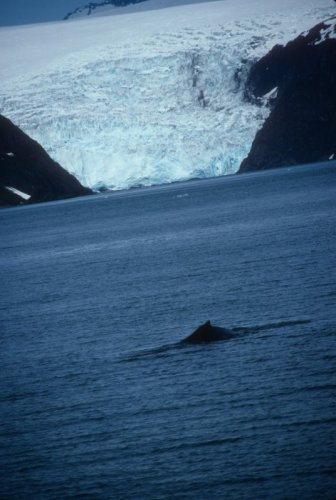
208, 333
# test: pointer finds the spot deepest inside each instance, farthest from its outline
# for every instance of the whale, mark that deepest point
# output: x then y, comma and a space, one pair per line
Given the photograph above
208, 333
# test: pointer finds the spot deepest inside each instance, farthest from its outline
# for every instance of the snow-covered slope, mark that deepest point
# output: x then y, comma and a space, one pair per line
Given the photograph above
111, 7
102, 7
147, 97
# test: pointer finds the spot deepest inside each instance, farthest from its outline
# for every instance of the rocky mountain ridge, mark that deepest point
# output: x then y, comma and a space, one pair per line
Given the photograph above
89, 8
28, 174
299, 80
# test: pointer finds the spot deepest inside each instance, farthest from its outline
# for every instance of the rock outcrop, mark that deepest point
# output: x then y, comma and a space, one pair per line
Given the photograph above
28, 174
91, 7
299, 81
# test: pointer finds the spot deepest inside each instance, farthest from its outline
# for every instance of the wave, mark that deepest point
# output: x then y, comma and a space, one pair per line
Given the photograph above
169, 349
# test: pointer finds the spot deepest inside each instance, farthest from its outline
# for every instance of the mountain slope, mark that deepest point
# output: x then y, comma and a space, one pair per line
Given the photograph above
93, 8
302, 125
112, 7
148, 97
27, 173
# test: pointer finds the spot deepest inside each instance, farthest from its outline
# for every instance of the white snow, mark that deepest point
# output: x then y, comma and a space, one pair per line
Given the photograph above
103, 10
146, 97
326, 33
22, 195
329, 31
272, 94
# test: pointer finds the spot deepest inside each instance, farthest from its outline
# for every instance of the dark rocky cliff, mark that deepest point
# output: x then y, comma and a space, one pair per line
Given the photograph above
301, 127
27, 167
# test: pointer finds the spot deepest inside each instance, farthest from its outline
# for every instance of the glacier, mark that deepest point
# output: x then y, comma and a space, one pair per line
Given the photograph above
103, 7
146, 97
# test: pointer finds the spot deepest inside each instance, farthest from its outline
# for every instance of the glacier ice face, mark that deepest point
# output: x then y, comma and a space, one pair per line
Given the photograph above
143, 120
163, 108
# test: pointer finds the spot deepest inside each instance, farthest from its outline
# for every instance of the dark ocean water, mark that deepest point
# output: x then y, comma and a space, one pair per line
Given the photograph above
97, 398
